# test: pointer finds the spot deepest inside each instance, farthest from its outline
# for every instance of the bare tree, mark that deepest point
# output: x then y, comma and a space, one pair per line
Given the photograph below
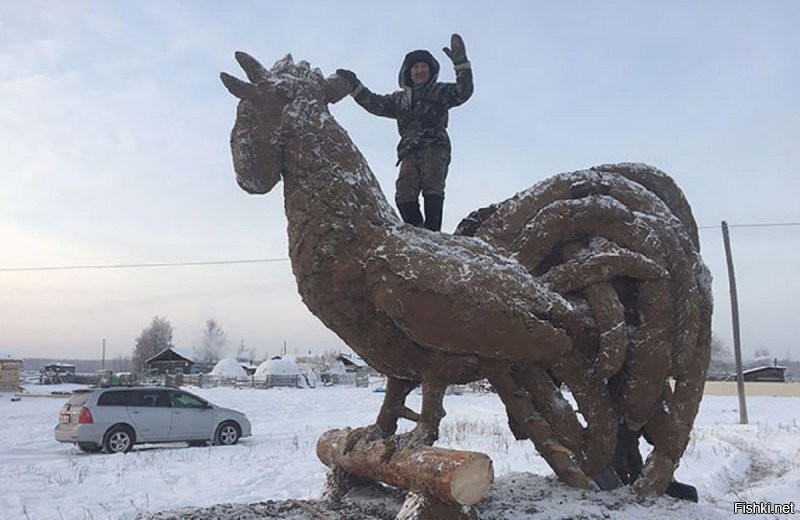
152, 340
121, 363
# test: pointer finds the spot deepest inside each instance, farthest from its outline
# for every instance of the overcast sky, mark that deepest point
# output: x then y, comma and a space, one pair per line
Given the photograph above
114, 147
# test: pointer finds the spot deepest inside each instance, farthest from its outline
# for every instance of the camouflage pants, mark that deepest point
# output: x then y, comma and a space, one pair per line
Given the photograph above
422, 170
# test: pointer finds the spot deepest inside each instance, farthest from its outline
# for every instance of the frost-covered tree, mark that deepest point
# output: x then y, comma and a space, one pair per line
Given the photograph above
151, 341
330, 356
721, 365
762, 352
213, 344
243, 352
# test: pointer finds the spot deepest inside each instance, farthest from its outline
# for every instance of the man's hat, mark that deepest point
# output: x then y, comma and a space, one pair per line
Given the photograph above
419, 55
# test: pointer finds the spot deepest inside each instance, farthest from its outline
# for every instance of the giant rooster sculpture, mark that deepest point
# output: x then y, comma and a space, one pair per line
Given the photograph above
590, 281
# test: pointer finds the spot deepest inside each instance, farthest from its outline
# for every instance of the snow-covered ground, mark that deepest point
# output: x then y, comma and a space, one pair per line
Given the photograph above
42, 479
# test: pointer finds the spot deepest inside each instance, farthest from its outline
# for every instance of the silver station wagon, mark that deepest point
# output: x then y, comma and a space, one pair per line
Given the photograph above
113, 419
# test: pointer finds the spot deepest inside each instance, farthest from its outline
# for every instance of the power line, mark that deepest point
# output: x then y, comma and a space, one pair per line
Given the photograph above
128, 266
269, 260
766, 224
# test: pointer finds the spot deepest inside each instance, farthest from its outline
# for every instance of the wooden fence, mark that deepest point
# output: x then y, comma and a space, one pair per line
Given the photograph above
206, 381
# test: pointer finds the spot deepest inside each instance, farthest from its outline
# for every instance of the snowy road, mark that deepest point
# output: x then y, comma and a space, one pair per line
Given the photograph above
42, 479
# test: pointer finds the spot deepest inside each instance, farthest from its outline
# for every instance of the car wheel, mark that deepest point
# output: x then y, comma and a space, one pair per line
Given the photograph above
119, 439
89, 447
227, 433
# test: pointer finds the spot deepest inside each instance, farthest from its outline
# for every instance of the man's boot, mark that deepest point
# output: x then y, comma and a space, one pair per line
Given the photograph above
433, 212
409, 212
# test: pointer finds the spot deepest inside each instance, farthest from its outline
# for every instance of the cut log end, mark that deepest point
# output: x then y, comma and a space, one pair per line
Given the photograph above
471, 482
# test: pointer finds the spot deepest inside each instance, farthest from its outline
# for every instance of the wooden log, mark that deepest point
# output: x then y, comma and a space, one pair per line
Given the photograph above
452, 476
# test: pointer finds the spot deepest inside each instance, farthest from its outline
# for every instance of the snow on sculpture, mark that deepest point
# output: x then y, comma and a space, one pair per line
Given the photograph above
589, 281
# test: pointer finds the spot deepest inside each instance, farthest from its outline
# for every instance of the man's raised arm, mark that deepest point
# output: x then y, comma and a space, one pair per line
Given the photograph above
384, 106
463, 88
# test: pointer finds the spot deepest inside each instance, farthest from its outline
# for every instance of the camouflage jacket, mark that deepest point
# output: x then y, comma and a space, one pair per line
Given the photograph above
421, 112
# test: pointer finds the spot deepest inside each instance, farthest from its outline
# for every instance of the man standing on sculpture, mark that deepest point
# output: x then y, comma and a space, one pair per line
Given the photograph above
420, 109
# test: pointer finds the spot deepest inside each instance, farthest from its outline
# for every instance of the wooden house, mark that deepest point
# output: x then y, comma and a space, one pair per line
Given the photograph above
763, 374
10, 367
174, 361
770, 374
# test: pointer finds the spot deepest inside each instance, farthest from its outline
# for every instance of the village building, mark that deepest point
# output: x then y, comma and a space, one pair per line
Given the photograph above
357, 371
352, 363
174, 361
248, 365
766, 374
56, 373
10, 368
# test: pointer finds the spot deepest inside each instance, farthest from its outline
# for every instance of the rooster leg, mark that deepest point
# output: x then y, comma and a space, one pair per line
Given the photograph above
432, 411
392, 409
426, 432
394, 405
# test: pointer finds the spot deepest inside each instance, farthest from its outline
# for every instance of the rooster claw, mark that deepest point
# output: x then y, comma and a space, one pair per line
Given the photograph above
367, 434
416, 438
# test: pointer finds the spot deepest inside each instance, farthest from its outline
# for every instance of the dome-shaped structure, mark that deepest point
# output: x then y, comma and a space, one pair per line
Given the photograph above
229, 368
280, 372
279, 367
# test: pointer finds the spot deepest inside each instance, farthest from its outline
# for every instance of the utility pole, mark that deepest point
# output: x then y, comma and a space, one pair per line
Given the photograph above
737, 346
103, 362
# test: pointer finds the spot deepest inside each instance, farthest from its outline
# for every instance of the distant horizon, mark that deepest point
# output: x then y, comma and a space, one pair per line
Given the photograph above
745, 359
100, 360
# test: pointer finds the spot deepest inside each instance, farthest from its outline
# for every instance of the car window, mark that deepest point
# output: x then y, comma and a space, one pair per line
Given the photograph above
113, 398
181, 400
78, 398
151, 398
